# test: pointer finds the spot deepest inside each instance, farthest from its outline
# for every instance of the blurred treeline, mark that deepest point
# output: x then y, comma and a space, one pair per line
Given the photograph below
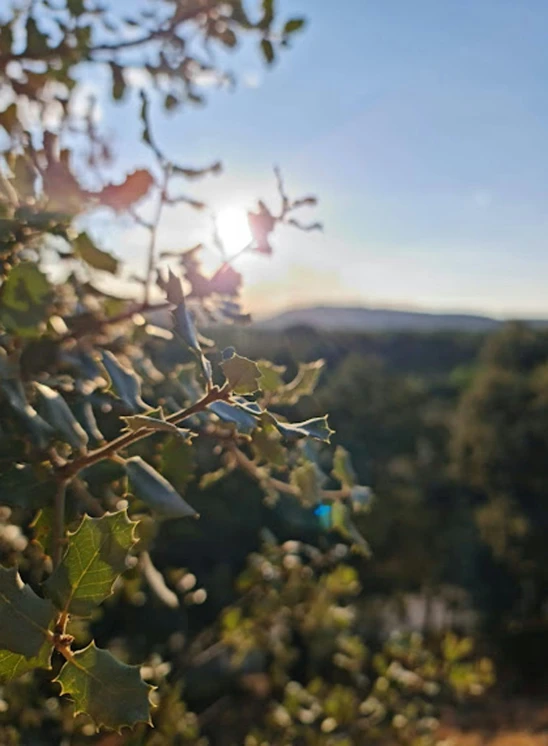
450, 430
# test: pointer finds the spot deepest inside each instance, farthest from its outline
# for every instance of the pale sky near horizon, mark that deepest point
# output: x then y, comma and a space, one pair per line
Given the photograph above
422, 126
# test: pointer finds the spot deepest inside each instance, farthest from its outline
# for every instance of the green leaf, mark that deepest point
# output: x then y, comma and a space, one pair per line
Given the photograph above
125, 383
56, 412
183, 324
267, 446
155, 491
294, 24
271, 376
308, 479
304, 383
178, 464
23, 486
268, 51
13, 665
85, 249
317, 428
24, 300
342, 468
109, 691
241, 374
24, 616
96, 556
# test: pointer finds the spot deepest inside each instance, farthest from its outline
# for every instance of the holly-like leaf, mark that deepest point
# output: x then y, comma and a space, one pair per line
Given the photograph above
267, 446
271, 376
317, 428
24, 616
24, 300
242, 374
155, 491
13, 665
85, 249
342, 468
308, 479
109, 691
245, 421
304, 383
138, 421
96, 556
183, 324
56, 412
125, 383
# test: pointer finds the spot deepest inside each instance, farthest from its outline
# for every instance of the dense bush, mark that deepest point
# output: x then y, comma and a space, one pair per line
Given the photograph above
116, 433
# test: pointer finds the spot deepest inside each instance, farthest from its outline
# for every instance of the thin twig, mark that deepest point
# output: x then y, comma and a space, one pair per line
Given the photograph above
67, 472
151, 256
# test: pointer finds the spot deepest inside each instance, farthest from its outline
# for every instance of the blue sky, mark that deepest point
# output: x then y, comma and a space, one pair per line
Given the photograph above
422, 127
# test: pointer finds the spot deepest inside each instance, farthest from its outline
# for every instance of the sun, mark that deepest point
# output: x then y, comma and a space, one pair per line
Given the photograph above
233, 228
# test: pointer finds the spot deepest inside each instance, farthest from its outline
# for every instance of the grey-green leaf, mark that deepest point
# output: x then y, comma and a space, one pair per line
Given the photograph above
125, 383
56, 412
155, 491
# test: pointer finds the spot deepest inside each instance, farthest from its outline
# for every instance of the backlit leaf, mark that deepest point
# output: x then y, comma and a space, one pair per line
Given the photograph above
271, 376
242, 374
183, 323
155, 491
96, 556
342, 468
24, 300
137, 422
304, 383
24, 616
85, 249
109, 691
317, 428
13, 665
244, 421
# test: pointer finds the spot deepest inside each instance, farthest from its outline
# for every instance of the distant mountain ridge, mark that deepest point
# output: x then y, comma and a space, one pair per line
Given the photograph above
336, 318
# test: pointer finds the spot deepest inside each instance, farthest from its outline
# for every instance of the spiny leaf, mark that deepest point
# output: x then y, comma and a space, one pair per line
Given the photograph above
122, 196
13, 665
242, 374
56, 412
96, 556
304, 383
85, 249
155, 491
271, 376
308, 479
109, 691
183, 324
137, 422
24, 300
267, 445
245, 421
317, 428
125, 383
24, 616
342, 468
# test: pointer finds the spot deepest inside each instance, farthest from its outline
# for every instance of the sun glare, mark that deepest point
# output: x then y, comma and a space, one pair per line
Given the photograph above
233, 228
